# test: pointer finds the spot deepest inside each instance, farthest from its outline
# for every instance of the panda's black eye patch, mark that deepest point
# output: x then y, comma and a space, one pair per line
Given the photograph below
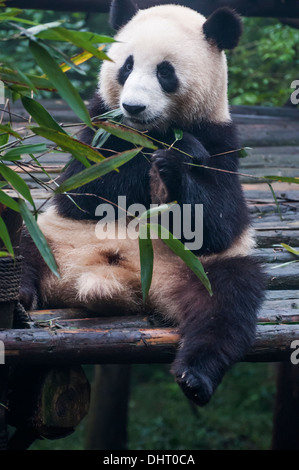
125, 70
167, 77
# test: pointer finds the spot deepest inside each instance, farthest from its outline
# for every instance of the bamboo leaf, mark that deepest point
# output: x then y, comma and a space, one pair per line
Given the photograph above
3, 254
26, 80
186, 255
77, 60
24, 149
102, 135
9, 14
146, 254
92, 38
38, 237
290, 249
4, 139
16, 182
78, 38
4, 235
243, 152
12, 76
284, 179
7, 129
40, 114
8, 201
97, 170
115, 114
285, 264
127, 134
275, 200
38, 29
79, 150
178, 134
60, 81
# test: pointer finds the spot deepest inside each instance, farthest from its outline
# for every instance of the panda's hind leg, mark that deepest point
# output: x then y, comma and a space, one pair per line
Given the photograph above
216, 331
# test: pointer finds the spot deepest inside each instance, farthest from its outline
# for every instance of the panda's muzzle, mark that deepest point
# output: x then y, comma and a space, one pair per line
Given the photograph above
134, 110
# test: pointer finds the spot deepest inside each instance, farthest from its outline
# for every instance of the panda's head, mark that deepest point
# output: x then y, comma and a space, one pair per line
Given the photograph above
168, 65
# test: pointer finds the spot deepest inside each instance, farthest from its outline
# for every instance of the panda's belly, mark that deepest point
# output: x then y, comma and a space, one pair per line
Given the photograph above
103, 275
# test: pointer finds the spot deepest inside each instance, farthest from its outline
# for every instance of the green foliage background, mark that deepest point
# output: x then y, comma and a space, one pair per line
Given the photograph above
264, 64
261, 68
16, 52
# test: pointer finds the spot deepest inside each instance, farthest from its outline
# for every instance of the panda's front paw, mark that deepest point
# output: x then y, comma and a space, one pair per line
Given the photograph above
166, 174
195, 384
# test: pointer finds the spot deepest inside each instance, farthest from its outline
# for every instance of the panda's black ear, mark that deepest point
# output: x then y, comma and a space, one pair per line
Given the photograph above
121, 11
223, 28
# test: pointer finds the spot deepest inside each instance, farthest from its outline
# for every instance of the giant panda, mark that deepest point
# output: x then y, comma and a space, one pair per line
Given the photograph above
167, 71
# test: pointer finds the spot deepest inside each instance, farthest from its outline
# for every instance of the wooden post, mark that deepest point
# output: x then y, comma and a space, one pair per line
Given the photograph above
46, 401
108, 416
286, 413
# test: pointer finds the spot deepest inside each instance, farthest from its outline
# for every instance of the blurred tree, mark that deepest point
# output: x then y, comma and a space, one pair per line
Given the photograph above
16, 53
265, 63
261, 69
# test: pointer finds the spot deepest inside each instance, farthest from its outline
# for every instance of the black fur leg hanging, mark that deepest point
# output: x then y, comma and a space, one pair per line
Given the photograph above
216, 331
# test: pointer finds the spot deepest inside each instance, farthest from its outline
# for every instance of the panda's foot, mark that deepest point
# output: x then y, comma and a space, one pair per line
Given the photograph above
195, 384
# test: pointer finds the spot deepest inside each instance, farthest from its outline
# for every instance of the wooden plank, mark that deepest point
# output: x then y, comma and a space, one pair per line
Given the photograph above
274, 255
283, 133
276, 111
283, 156
252, 174
275, 301
267, 238
274, 311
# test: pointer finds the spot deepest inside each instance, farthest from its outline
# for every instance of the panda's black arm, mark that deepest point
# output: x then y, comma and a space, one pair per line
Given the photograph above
132, 181
210, 181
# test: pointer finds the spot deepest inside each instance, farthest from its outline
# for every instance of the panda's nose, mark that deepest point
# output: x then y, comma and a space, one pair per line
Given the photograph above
134, 109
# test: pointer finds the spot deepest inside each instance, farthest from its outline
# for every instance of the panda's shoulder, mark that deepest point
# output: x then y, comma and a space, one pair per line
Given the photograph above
218, 135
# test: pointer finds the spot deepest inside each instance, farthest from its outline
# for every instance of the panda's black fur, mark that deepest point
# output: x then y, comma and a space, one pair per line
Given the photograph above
215, 331
186, 184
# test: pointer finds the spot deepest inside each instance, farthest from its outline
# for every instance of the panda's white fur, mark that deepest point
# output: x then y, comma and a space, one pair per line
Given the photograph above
167, 32
89, 279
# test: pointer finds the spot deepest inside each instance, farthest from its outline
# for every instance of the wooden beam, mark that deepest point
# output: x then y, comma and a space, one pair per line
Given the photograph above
127, 345
56, 398
108, 415
265, 8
